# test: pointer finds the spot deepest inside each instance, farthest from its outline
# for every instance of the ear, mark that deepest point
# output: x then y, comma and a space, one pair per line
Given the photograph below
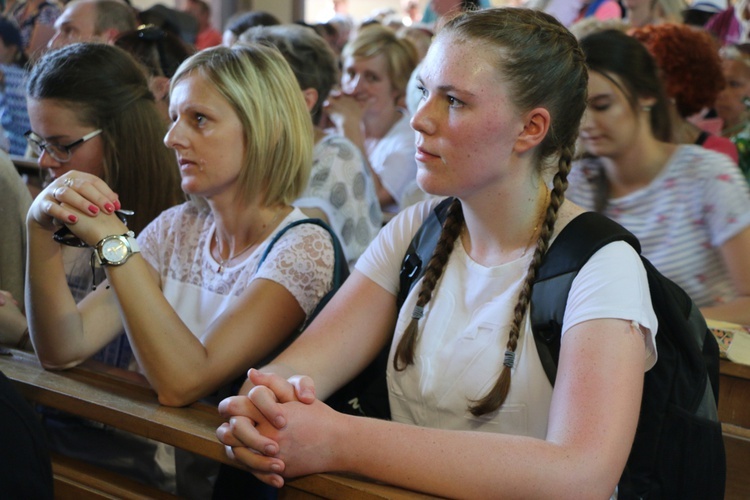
311, 97
159, 86
535, 128
110, 35
646, 102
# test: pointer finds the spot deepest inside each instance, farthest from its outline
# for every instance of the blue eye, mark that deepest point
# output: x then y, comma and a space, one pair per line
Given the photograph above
422, 92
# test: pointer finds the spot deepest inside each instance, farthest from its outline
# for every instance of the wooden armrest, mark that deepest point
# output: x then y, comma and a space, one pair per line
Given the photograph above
102, 394
118, 402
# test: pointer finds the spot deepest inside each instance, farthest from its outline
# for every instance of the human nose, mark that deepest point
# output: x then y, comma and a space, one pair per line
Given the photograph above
423, 119
587, 120
45, 160
174, 139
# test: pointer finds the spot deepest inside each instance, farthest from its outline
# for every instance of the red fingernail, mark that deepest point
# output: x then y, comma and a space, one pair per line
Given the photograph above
72, 218
117, 205
109, 207
93, 209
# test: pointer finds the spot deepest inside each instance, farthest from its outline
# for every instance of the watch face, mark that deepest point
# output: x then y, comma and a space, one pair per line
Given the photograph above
114, 250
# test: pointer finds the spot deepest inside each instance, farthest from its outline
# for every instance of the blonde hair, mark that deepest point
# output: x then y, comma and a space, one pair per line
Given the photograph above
400, 54
257, 82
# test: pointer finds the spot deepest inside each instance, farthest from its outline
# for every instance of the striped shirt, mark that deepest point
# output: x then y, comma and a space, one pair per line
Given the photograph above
696, 204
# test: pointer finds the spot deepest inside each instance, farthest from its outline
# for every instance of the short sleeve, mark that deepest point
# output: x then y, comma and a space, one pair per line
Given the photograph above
302, 261
726, 199
613, 284
381, 262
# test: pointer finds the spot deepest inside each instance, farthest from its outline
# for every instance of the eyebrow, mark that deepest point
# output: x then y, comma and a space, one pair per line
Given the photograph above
448, 88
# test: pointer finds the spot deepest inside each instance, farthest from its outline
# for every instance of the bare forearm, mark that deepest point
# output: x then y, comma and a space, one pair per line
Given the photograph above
54, 321
736, 311
468, 464
172, 358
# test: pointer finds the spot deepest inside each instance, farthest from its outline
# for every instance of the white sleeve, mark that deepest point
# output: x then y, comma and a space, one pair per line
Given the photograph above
613, 284
381, 262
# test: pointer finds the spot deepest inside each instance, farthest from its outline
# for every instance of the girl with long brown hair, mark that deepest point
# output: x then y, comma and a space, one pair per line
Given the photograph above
503, 94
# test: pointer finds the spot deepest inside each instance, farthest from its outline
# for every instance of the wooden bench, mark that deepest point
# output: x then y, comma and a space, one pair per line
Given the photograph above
116, 398
734, 412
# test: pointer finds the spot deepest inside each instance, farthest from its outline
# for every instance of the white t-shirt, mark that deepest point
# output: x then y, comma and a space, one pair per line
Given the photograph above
696, 204
341, 186
392, 157
465, 330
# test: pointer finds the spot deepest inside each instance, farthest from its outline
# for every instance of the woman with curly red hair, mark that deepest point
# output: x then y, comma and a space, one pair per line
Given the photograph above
690, 68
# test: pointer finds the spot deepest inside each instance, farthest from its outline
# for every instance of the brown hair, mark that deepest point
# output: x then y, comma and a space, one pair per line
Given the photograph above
105, 88
541, 65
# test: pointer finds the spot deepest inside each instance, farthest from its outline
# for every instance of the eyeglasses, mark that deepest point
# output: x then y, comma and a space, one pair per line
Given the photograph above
59, 152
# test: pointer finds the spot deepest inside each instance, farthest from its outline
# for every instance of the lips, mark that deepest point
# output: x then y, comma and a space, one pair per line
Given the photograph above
423, 155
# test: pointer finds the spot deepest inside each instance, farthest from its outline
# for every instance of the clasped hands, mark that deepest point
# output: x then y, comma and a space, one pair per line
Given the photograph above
75, 200
279, 429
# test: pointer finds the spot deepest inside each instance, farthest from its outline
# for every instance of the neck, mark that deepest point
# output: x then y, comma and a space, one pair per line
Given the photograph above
378, 125
239, 231
637, 167
683, 132
504, 227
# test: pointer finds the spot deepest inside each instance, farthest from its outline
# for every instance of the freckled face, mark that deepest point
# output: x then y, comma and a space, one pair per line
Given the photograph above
207, 137
466, 123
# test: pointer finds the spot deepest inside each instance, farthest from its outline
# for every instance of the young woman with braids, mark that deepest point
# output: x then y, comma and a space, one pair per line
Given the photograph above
474, 414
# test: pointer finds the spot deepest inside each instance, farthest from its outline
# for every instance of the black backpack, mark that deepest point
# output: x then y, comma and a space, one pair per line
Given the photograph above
678, 450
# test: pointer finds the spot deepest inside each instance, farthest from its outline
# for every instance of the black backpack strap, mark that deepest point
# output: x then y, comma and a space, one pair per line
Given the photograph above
367, 394
420, 250
569, 252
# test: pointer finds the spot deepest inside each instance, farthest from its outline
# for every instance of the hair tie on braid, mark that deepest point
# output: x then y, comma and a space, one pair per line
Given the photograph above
510, 358
418, 312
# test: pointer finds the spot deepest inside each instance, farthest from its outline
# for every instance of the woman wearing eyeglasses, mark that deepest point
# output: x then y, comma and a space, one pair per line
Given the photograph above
91, 111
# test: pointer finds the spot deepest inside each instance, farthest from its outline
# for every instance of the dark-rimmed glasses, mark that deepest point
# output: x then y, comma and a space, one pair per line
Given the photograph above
60, 153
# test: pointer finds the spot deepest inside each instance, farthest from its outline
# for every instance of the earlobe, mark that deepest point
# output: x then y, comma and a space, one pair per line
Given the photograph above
534, 131
311, 98
159, 86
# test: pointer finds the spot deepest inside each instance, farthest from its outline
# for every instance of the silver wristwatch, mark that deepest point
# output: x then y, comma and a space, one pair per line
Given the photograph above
115, 250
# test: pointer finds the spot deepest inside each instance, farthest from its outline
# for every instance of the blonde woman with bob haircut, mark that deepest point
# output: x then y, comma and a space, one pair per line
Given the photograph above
198, 307
369, 109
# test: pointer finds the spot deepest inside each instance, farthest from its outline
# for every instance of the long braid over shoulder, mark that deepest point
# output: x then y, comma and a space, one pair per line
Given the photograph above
541, 65
454, 222
496, 397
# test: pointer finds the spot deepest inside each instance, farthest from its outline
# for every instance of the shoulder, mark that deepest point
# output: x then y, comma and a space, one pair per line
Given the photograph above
335, 148
179, 218
298, 232
697, 164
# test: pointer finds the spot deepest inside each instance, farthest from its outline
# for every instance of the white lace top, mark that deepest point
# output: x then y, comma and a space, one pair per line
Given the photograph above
177, 245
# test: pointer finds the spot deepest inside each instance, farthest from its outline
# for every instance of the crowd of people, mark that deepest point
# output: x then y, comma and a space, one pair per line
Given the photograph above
182, 168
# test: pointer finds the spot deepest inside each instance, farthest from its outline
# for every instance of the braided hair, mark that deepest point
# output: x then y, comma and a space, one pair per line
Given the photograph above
543, 67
